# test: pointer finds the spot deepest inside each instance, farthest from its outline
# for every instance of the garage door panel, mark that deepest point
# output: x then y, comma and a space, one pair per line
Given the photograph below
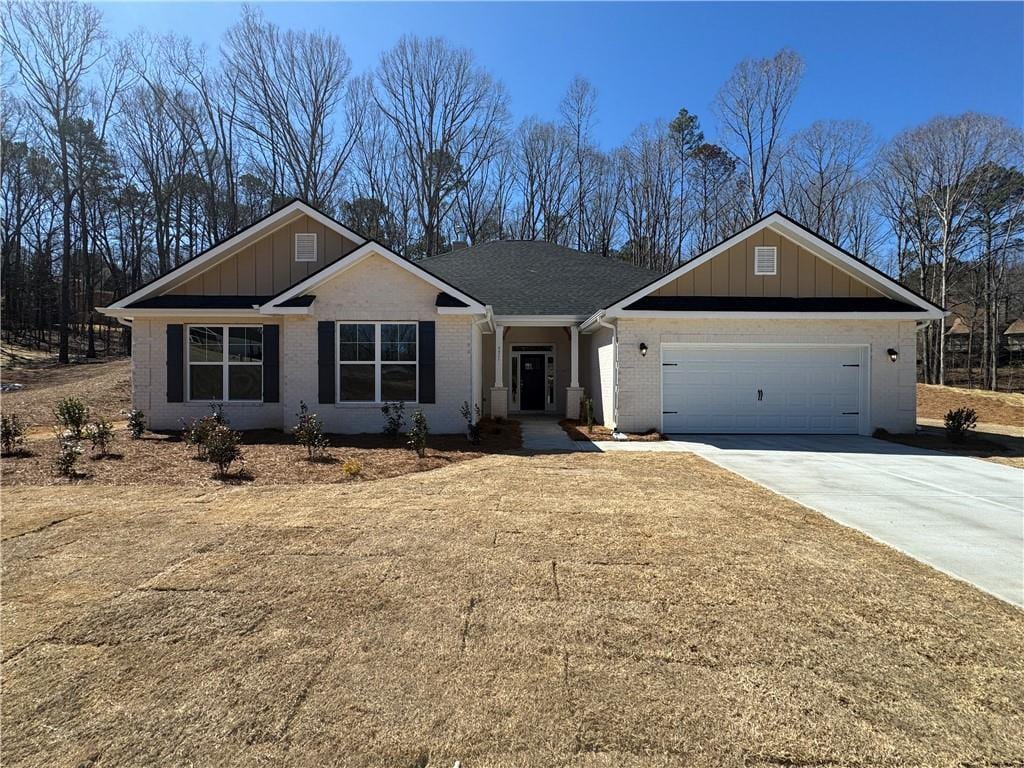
803, 389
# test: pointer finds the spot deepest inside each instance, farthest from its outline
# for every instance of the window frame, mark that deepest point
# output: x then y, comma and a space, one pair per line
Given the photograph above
225, 363
377, 362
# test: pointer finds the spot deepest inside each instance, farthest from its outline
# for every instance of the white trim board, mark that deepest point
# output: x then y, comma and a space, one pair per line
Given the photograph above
214, 255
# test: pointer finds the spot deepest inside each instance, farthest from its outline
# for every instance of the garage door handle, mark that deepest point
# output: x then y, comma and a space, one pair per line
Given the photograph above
760, 395
667, 412
665, 365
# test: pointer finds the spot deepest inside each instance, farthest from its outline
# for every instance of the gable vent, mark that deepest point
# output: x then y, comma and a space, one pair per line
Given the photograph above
305, 246
765, 260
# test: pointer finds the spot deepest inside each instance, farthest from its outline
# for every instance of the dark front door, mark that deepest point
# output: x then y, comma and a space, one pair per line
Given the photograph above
531, 382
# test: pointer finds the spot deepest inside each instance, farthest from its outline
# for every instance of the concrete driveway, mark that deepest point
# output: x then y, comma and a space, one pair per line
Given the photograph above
961, 515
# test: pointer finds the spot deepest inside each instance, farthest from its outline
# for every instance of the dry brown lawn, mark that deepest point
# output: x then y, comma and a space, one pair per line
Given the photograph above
105, 385
581, 609
934, 402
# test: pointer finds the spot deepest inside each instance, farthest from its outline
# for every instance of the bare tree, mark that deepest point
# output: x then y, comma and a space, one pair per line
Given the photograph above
824, 165
578, 108
651, 177
291, 87
449, 117
544, 153
55, 46
715, 191
752, 106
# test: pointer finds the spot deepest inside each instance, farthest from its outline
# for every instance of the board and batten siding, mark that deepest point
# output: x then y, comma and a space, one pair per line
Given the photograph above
267, 266
799, 274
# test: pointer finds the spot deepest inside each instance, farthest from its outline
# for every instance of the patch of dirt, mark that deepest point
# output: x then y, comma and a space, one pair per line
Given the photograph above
510, 611
269, 458
105, 385
934, 402
581, 432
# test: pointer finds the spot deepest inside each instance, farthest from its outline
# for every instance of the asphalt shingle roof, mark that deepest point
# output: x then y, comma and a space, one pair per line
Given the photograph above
519, 277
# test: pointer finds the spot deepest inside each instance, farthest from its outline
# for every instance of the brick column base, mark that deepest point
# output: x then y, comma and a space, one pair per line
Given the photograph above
499, 402
572, 402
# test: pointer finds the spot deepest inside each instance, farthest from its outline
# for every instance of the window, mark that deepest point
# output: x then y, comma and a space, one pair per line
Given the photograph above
377, 362
764, 260
225, 371
305, 246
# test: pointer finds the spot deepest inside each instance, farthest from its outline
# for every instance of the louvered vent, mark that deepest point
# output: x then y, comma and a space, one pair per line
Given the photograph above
764, 260
305, 246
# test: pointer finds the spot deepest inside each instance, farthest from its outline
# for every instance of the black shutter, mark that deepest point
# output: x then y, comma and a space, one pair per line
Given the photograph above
426, 361
325, 359
271, 364
175, 363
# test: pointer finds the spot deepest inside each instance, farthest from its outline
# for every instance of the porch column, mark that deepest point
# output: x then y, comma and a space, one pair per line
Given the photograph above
574, 391
499, 392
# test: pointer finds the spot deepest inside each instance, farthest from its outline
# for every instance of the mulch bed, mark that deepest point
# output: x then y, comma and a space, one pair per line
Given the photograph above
268, 458
1001, 449
579, 431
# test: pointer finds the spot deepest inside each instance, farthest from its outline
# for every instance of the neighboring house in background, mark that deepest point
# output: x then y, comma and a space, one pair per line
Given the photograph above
1014, 336
773, 330
958, 336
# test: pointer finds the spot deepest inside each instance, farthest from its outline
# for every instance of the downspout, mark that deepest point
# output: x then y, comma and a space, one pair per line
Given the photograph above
478, 372
615, 366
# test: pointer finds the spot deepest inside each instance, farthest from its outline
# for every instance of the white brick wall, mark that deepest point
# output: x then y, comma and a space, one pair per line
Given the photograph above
892, 389
373, 290
149, 379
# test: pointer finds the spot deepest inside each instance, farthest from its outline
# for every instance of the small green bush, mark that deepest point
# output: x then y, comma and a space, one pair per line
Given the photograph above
100, 433
136, 423
958, 422
12, 433
418, 434
309, 433
394, 415
223, 448
472, 424
72, 415
352, 467
69, 451
199, 430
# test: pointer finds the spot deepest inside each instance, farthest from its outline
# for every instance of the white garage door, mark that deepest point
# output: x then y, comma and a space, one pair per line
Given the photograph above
763, 389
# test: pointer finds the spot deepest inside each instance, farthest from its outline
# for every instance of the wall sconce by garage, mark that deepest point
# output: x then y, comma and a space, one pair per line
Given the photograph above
643, 349
893, 354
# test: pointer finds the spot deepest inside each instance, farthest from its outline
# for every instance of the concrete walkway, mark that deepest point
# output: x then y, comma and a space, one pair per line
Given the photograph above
959, 514
542, 434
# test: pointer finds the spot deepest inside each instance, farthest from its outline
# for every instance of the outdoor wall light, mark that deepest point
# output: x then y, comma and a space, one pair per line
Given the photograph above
893, 354
643, 349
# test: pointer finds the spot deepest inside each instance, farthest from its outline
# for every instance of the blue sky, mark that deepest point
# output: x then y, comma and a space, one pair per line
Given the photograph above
893, 65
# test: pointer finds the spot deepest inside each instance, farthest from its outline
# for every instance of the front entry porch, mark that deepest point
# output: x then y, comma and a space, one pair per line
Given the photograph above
532, 369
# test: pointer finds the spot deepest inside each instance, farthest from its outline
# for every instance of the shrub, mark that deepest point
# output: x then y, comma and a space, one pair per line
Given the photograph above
352, 467
197, 433
587, 412
100, 434
394, 415
12, 433
136, 423
223, 447
472, 425
72, 415
418, 434
958, 422
309, 432
69, 450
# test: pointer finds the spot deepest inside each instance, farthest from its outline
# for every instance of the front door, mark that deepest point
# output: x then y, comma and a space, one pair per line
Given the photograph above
531, 382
